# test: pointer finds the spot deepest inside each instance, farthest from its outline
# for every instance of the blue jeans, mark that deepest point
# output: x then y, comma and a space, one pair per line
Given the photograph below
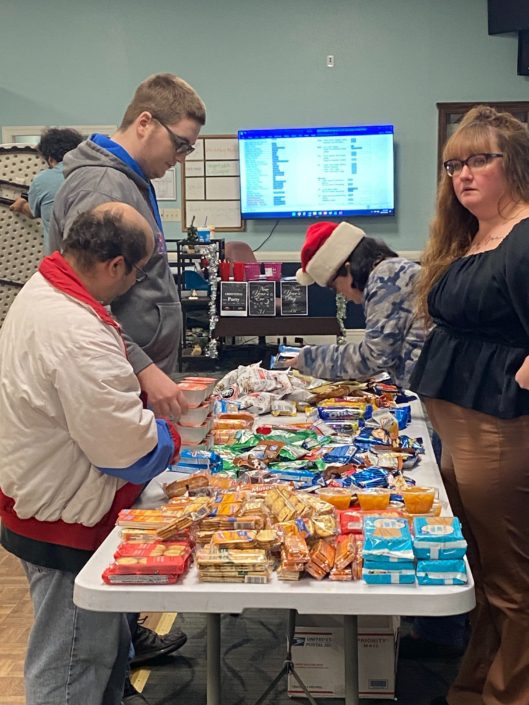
74, 656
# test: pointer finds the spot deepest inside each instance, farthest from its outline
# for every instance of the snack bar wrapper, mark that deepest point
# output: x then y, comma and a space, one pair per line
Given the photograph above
373, 576
438, 538
442, 572
387, 537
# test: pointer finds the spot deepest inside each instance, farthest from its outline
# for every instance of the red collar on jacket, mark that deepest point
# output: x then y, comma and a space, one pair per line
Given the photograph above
60, 274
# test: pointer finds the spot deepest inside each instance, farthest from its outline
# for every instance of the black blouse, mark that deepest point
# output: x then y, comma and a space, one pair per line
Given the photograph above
480, 308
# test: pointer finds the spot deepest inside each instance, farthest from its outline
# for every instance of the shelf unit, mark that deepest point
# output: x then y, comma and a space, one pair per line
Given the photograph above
187, 255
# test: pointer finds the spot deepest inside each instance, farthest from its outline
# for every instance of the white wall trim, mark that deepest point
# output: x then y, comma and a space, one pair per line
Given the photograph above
294, 256
10, 132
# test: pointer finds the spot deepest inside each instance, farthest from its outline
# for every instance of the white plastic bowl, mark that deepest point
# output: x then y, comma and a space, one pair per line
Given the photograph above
193, 434
196, 416
194, 393
209, 382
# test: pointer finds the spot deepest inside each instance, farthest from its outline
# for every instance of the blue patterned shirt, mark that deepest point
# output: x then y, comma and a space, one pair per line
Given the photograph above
393, 337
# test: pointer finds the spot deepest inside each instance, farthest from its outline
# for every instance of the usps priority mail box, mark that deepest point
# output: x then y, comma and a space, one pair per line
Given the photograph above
318, 656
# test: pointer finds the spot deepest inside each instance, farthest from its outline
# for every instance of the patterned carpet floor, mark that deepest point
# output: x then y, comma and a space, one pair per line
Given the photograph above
253, 650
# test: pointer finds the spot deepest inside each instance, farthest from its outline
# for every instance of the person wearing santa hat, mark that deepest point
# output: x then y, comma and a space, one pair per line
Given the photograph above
366, 271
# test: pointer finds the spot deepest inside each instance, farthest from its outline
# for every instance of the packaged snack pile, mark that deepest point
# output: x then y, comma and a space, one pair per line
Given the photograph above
440, 547
326, 497
388, 552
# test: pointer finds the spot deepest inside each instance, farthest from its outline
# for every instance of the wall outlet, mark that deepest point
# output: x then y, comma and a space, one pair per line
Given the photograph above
330, 61
170, 215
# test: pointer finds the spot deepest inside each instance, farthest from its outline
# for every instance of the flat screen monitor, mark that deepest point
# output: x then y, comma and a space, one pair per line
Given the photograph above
314, 172
508, 15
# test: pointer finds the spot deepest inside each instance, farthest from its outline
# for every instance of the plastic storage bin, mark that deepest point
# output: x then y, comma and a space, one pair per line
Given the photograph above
252, 270
272, 271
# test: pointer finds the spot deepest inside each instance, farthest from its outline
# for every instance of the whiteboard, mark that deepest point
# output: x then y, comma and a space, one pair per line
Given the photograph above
214, 212
211, 184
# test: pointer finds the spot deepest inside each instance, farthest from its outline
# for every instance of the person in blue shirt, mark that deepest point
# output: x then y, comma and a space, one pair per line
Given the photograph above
54, 143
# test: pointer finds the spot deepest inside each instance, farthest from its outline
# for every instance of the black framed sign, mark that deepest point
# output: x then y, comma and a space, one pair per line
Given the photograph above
262, 298
294, 299
234, 298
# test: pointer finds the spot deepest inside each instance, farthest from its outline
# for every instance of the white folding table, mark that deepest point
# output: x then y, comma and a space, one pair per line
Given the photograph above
307, 596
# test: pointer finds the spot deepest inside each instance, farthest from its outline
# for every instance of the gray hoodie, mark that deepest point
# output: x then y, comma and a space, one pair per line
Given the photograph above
150, 312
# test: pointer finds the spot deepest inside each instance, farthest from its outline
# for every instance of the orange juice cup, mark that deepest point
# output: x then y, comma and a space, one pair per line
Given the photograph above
339, 497
418, 500
374, 498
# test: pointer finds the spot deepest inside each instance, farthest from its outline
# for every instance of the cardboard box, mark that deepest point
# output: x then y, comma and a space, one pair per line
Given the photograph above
318, 657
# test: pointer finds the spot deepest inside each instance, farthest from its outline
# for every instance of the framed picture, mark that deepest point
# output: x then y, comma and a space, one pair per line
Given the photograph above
451, 114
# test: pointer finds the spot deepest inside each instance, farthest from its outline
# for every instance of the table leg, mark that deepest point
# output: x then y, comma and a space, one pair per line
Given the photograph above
350, 633
213, 659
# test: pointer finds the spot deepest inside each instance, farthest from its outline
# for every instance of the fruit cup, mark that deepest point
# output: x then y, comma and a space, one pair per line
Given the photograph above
418, 500
374, 498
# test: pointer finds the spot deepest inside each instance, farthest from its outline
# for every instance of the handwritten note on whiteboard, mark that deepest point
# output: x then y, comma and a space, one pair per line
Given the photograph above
211, 184
194, 168
222, 168
222, 148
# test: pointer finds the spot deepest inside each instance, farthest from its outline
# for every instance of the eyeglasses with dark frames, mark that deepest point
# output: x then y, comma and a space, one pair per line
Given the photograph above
180, 144
141, 274
475, 162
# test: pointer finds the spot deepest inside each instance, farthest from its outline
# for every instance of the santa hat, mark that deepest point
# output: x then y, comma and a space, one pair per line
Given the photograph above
327, 246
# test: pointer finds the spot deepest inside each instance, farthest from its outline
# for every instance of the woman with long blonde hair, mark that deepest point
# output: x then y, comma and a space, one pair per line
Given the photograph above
473, 376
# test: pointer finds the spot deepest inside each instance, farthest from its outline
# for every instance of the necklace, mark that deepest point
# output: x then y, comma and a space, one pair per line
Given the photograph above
478, 247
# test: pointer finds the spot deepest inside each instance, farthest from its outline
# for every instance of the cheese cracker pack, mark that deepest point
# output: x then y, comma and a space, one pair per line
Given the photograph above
438, 538
442, 572
387, 537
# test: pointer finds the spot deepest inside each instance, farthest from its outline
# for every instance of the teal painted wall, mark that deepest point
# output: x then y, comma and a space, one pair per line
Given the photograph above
262, 64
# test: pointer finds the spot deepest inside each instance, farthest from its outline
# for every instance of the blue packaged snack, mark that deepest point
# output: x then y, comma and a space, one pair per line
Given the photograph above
344, 428
388, 563
442, 572
387, 537
438, 538
292, 475
405, 397
195, 460
340, 413
414, 444
388, 577
370, 477
340, 455
403, 416
372, 436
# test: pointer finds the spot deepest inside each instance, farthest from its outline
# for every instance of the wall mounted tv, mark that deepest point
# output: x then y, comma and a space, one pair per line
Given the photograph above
314, 172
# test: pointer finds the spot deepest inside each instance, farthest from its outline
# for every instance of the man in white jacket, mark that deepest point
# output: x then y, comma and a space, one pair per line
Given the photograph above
76, 446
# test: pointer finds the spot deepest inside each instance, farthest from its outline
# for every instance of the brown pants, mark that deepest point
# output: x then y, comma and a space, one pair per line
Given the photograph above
485, 469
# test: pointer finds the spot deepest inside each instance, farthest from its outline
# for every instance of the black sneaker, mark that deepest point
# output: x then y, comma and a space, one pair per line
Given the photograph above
131, 696
415, 648
440, 700
149, 645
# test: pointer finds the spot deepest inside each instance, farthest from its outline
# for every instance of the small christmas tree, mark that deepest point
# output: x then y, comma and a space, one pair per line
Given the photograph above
192, 234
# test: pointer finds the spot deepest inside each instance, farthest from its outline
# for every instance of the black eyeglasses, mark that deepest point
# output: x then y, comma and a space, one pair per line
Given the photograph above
141, 274
475, 162
180, 144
